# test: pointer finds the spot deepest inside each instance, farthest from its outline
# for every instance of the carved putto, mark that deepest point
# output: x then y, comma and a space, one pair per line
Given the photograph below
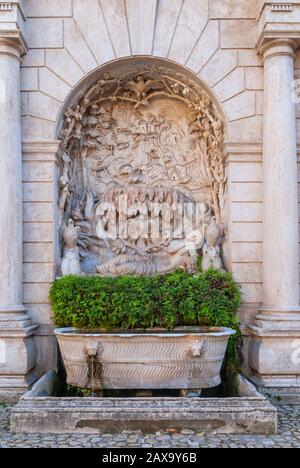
142, 173
70, 264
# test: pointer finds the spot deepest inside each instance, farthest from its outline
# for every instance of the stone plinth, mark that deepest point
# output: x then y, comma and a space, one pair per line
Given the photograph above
41, 411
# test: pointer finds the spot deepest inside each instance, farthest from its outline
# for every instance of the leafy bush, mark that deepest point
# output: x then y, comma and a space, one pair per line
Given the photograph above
210, 298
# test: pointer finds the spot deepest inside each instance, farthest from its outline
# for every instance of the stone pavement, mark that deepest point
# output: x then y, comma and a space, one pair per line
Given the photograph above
288, 437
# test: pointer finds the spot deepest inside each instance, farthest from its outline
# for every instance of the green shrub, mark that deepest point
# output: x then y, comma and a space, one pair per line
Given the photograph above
210, 298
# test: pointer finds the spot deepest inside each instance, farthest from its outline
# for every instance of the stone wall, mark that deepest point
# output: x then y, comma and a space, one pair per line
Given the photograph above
68, 40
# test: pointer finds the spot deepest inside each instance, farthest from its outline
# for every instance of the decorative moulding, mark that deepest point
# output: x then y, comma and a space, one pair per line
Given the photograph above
243, 148
6, 6
278, 20
14, 38
40, 146
14, 6
282, 7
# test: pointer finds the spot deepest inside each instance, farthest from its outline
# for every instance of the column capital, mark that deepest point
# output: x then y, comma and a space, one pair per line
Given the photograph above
280, 46
12, 43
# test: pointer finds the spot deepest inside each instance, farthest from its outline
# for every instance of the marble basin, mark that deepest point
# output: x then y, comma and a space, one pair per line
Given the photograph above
186, 358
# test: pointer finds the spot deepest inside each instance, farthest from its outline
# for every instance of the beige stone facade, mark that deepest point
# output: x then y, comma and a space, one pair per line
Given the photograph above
228, 47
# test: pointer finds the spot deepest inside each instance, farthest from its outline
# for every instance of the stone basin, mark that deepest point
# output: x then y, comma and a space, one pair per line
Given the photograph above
186, 358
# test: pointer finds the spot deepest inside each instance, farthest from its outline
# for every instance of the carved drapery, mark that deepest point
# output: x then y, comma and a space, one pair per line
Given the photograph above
142, 174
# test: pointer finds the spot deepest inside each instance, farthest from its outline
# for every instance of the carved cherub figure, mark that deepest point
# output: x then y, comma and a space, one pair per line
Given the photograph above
70, 264
211, 249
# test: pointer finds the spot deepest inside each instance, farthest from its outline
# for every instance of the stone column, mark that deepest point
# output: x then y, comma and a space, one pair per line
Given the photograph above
17, 350
273, 351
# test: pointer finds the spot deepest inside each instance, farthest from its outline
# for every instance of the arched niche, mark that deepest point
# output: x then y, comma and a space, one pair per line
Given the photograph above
142, 186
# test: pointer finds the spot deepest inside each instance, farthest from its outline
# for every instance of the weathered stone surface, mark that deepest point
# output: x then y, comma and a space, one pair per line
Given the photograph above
219, 66
244, 273
247, 252
63, 65
114, 13
252, 232
41, 172
29, 79
34, 58
249, 58
246, 192
38, 211
254, 78
42, 314
188, 28
245, 172
51, 84
238, 34
243, 212
38, 272
246, 130
288, 436
141, 18
205, 47
89, 415
46, 349
41, 106
234, 9
38, 232
241, 106
231, 85
46, 8
89, 18
34, 127
36, 192
36, 33
167, 16
252, 293
77, 47
38, 251
37, 293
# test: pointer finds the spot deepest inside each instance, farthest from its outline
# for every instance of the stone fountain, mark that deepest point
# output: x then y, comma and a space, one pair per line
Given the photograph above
142, 191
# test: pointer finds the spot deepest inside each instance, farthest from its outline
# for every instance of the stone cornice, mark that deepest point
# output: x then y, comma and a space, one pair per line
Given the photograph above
14, 40
278, 6
40, 146
12, 27
6, 6
242, 148
278, 20
40, 151
284, 34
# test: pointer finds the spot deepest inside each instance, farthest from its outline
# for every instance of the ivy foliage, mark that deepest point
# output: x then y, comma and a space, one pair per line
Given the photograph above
178, 299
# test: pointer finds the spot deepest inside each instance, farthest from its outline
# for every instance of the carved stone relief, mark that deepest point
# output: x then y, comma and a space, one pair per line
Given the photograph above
142, 175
